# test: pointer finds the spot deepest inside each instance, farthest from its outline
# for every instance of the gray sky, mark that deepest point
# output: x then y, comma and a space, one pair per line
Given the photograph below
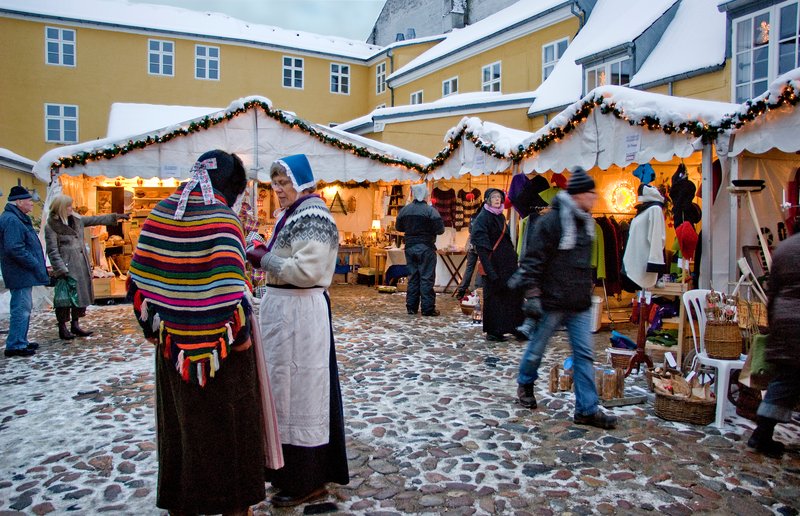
346, 18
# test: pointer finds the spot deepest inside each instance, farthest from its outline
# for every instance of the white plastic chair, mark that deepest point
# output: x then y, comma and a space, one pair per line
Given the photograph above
695, 303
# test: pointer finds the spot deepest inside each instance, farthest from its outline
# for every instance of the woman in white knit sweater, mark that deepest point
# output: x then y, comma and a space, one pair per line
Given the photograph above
297, 336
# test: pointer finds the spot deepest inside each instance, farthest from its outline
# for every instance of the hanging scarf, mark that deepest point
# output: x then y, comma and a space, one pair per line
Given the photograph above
283, 217
568, 212
190, 275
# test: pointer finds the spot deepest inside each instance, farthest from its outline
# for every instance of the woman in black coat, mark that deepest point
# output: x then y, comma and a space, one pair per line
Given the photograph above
783, 349
502, 307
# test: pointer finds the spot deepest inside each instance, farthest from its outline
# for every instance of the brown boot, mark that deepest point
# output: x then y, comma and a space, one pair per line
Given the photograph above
63, 332
78, 331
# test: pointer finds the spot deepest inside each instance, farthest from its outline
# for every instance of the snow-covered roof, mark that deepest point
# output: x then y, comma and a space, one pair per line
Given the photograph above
611, 23
120, 14
497, 24
249, 127
472, 102
128, 118
768, 121
676, 54
13, 160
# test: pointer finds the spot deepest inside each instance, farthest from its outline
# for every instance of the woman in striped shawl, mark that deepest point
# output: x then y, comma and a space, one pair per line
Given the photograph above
188, 289
296, 329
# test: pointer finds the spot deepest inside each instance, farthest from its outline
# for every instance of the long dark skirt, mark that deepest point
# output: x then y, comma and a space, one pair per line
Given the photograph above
502, 308
306, 468
210, 441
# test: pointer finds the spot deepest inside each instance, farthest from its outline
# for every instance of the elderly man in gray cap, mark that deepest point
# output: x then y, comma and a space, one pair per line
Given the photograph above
421, 223
23, 266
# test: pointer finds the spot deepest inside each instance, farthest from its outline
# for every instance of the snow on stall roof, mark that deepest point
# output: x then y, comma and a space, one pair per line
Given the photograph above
459, 39
605, 29
677, 52
637, 104
128, 118
376, 146
198, 24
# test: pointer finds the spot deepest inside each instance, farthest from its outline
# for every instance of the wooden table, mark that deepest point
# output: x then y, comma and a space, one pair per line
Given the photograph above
452, 267
380, 264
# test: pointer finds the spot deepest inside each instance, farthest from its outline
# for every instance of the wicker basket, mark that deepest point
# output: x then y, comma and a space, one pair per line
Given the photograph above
751, 314
683, 410
467, 309
620, 358
723, 340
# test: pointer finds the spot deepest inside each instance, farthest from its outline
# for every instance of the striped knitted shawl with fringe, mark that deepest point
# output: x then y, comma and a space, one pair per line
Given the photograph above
191, 282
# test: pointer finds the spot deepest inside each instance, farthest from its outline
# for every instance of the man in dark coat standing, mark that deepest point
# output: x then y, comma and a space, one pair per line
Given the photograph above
421, 223
23, 267
557, 279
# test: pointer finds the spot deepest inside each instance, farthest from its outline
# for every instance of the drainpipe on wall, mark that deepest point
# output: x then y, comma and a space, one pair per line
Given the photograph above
390, 53
579, 13
669, 88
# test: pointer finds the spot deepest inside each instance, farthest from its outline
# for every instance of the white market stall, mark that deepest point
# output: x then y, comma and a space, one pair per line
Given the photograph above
761, 143
147, 167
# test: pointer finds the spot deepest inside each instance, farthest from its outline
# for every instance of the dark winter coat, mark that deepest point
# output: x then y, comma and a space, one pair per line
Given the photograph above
561, 278
67, 252
502, 310
420, 223
21, 257
784, 303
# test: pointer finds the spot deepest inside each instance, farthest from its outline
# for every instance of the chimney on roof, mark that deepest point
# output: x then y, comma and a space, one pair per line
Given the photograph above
411, 33
400, 36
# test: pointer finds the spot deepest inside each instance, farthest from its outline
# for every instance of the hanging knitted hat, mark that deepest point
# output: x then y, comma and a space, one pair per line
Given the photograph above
645, 173
687, 239
559, 180
299, 171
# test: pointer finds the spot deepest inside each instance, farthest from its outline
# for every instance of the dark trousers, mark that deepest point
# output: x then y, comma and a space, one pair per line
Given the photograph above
421, 263
469, 271
63, 314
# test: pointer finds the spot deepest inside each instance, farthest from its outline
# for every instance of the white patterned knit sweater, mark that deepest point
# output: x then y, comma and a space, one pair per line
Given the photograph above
304, 254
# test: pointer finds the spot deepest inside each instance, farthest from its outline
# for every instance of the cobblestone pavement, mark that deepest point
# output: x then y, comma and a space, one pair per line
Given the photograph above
431, 421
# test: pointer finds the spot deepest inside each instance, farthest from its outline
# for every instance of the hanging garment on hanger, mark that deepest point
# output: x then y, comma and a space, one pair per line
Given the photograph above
466, 207
445, 203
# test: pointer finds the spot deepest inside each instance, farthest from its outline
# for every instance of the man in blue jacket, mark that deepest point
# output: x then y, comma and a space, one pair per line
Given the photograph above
421, 223
23, 267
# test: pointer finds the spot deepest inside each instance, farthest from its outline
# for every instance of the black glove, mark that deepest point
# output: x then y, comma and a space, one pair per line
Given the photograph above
532, 307
255, 253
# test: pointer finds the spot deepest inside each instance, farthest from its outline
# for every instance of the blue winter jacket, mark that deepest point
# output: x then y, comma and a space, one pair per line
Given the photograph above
21, 256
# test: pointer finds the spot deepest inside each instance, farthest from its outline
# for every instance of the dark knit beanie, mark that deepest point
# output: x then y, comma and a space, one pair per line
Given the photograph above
18, 192
579, 182
490, 191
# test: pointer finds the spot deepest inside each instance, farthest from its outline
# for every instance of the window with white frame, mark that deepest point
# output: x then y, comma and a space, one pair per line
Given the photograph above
766, 45
617, 73
450, 86
206, 62
160, 57
293, 72
490, 77
59, 46
416, 97
380, 78
340, 78
61, 123
551, 53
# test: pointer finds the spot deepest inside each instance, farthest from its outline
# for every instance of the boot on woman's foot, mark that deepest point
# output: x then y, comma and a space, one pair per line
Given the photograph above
78, 331
63, 332
762, 440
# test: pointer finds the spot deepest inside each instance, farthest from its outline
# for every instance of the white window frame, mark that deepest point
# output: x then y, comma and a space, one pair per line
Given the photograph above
607, 71
415, 98
63, 47
161, 54
744, 86
294, 69
450, 86
493, 83
343, 79
549, 66
380, 78
207, 59
62, 120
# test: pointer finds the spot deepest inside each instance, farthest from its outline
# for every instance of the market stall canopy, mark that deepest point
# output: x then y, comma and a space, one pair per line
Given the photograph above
769, 121
615, 125
249, 127
476, 148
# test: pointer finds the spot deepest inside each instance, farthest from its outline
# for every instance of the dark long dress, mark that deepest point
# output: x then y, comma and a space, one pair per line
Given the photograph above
502, 307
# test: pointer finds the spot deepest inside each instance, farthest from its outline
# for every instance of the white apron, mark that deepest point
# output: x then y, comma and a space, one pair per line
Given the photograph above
296, 340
